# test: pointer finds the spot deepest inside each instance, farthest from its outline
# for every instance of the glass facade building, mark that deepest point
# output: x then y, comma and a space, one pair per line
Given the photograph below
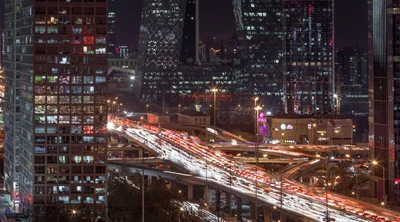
55, 114
260, 35
160, 44
167, 63
112, 19
309, 78
352, 70
384, 88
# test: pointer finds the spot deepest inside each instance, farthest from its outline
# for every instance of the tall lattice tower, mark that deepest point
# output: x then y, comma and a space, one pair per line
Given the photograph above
160, 45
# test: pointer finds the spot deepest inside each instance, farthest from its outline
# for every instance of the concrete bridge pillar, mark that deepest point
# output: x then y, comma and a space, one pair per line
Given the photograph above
282, 216
239, 208
141, 152
253, 211
228, 202
267, 214
190, 191
149, 180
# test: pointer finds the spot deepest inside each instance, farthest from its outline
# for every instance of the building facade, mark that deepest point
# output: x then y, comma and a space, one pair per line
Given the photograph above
112, 19
384, 97
260, 32
55, 105
123, 51
352, 85
126, 63
309, 56
311, 130
160, 45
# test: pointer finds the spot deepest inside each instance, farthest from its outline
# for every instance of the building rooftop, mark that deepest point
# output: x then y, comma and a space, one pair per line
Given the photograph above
192, 113
316, 116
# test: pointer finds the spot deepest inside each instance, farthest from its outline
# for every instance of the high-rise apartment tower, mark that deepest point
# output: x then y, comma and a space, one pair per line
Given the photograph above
55, 114
384, 96
309, 80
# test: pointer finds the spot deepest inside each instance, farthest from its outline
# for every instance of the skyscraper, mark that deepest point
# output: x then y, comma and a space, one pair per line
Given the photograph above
112, 18
168, 62
260, 35
309, 56
160, 45
55, 64
352, 68
384, 88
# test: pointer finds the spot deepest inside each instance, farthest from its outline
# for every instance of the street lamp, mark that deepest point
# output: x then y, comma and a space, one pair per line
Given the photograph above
147, 109
73, 212
179, 107
255, 101
375, 163
215, 90
179, 214
257, 109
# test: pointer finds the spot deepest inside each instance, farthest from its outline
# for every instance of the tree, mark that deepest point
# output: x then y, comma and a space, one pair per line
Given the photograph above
124, 199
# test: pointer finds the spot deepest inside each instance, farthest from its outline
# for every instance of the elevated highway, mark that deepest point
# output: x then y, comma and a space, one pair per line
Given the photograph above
208, 130
199, 159
138, 161
193, 179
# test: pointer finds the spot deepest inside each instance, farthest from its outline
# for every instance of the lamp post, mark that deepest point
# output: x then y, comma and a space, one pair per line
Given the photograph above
179, 108
113, 103
257, 109
375, 163
327, 187
179, 214
215, 90
143, 182
335, 97
256, 115
73, 212
147, 109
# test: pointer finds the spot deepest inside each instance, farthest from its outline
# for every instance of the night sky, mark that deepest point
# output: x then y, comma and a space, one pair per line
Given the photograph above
216, 20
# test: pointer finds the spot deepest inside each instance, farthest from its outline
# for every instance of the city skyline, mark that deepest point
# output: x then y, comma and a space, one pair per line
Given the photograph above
351, 25
268, 110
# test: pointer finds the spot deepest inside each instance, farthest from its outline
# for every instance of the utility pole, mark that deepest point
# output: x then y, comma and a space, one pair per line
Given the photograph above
143, 183
281, 191
327, 187
215, 106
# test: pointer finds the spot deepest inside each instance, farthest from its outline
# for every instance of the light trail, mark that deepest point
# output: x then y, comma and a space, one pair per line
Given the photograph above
191, 154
